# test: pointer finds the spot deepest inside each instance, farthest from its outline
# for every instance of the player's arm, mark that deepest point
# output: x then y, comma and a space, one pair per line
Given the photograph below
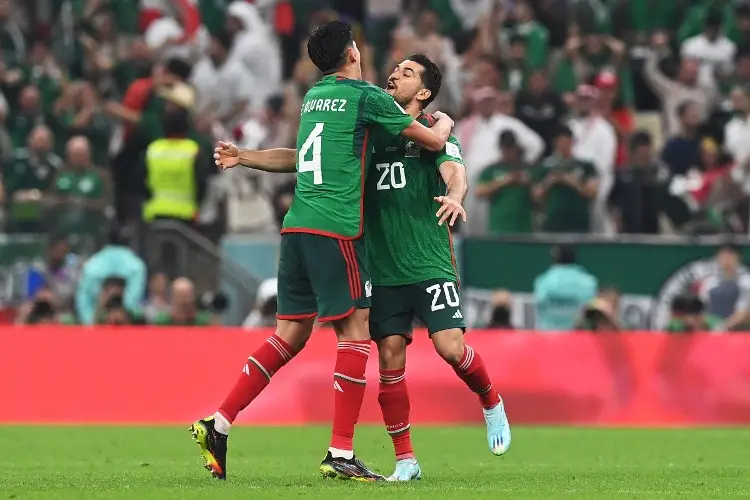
454, 176
453, 172
279, 160
380, 109
433, 138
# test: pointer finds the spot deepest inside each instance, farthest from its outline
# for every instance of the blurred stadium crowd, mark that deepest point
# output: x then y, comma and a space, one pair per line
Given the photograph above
575, 116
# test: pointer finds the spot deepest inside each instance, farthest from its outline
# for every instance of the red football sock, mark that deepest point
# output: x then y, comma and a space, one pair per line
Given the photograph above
349, 384
260, 367
472, 371
394, 403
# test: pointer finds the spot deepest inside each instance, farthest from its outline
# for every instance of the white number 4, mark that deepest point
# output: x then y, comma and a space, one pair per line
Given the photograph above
314, 141
451, 295
391, 176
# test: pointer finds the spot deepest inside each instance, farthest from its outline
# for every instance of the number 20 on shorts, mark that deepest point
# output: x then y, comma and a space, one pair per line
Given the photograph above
447, 289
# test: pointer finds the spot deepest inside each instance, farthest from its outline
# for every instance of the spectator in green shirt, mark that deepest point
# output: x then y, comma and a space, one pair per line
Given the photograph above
76, 113
535, 34
516, 68
28, 114
81, 191
507, 184
565, 187
183, 311
28, 174
43, 72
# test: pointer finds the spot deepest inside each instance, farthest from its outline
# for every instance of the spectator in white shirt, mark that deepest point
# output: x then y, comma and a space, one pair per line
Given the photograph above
478, 135
712, 49
225, 87
170, 36
673, 92
256, 47
595, 141
737, 131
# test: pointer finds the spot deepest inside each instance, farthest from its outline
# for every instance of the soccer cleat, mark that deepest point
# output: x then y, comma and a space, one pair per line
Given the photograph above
498, 429
406, 470
347, 468
213, 446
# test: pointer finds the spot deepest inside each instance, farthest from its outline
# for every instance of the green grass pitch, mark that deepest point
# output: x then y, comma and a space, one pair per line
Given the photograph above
160, 463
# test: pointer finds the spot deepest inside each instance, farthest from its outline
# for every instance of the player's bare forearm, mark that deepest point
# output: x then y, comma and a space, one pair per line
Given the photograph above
279, 160
454, 176
431, 139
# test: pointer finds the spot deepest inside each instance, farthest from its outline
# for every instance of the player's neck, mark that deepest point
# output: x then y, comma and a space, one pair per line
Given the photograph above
414, 109
349, 72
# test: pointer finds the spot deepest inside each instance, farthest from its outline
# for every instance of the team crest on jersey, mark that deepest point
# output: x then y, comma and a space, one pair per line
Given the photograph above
412, 150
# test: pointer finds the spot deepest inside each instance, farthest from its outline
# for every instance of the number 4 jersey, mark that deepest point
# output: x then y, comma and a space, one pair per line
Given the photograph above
338, 119
405, 244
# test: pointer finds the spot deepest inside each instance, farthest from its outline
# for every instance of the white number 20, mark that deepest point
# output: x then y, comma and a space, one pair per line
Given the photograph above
314, 141
391, 176
450, 292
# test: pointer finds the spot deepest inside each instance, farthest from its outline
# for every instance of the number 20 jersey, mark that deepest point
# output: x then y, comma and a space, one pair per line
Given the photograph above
405, 244
338, 120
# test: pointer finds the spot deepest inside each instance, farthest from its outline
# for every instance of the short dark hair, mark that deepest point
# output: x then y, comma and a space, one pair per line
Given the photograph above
327, 45
508, 139
564, 254
640, 139
179, 68
714, 18
563, 131
432, 77
687, 303
224, 38
176, 122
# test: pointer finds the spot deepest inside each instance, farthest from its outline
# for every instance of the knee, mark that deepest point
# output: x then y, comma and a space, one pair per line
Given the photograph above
450, 347
354, 327
392, 353
295, 333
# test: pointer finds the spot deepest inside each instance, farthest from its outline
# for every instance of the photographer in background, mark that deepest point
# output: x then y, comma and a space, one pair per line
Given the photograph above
500, 317
264, 313
688, 316
184, 311
114, 313
42, 310
115, 260
598, 316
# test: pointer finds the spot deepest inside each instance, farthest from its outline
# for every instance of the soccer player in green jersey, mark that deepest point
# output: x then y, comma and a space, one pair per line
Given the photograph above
323, 265
412, 264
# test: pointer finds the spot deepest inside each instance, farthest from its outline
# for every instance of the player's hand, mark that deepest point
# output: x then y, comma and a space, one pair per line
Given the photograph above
439, 116
226, 155
450, 209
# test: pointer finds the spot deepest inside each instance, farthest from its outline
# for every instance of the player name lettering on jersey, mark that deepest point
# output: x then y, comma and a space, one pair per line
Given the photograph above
337, 105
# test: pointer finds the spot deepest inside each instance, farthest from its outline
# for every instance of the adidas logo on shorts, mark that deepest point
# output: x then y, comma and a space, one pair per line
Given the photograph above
458, 315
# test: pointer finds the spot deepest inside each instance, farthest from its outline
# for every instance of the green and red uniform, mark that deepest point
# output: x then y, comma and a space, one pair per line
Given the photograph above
323, 265
412, 264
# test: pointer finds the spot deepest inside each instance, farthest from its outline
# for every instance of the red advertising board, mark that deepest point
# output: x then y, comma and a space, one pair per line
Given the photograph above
149, 375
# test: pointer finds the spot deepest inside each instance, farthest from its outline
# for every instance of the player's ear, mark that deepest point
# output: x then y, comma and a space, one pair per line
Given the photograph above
424, 94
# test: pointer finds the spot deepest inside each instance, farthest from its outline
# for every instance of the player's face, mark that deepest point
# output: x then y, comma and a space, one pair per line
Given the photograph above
405, 83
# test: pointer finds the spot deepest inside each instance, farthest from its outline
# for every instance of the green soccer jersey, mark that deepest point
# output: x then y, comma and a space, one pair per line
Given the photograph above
338, 118
405, 244
565, 209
